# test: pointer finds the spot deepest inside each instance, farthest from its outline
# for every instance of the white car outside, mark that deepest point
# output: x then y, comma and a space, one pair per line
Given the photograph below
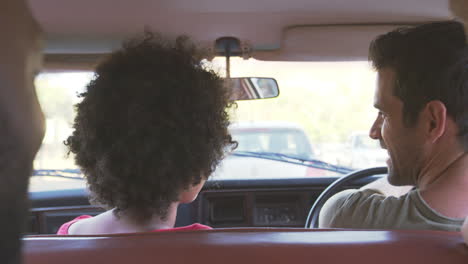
363, 152
279, 140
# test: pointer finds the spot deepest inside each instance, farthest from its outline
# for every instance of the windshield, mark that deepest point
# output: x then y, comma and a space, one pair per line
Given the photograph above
364, 141
321, 115
277, 140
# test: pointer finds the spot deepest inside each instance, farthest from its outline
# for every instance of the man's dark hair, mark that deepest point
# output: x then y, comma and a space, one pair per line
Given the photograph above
431, 63
153, 122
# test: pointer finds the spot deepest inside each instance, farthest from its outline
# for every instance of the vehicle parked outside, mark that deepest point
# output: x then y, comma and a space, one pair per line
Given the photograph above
361, 152
275, 136
272, 149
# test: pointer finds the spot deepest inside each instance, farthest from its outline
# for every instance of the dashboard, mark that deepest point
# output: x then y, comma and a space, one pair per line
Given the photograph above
221, 204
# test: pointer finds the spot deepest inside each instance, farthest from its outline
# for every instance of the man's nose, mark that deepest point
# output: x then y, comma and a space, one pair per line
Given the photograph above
374, 132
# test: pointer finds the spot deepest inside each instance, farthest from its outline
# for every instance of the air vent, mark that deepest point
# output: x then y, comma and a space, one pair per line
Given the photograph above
278, 210
227, 210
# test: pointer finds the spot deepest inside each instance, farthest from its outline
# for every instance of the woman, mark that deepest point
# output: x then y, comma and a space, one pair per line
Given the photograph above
151, 128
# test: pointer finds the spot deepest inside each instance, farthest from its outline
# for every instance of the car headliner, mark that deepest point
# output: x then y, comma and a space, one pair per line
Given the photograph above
272, 30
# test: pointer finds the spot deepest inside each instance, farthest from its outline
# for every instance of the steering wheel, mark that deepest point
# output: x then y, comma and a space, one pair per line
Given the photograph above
312, 218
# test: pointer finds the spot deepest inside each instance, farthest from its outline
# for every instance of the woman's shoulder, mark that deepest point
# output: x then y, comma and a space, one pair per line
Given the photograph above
198, 226
63, 230
191, 227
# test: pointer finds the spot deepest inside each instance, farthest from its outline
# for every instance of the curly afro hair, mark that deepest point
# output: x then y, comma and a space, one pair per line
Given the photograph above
153, 122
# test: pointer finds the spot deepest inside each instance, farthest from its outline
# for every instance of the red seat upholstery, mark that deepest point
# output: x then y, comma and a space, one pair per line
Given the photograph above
242, 246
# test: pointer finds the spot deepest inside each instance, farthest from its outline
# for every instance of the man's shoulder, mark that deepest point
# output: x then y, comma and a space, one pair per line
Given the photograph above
338, 200
352, 208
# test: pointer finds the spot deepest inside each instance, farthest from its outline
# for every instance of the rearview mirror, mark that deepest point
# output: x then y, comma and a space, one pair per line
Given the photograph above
249, 88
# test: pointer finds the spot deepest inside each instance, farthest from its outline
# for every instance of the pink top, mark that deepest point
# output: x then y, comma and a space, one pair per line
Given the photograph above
63, 230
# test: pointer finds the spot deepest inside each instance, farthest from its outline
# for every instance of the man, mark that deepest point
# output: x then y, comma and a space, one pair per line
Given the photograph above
422, 121
21, 120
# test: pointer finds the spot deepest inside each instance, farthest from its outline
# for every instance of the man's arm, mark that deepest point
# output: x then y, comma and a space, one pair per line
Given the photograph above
331, 208
340, 210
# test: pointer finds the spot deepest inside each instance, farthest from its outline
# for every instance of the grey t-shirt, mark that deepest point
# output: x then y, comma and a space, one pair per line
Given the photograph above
369, 209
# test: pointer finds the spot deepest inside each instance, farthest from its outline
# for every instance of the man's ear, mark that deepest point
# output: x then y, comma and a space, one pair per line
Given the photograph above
435, 114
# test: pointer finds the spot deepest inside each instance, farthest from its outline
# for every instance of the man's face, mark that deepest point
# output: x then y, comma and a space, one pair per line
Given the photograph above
401, 142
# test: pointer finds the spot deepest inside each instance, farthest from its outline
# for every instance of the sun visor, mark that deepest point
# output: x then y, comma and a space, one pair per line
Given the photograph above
324, 43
